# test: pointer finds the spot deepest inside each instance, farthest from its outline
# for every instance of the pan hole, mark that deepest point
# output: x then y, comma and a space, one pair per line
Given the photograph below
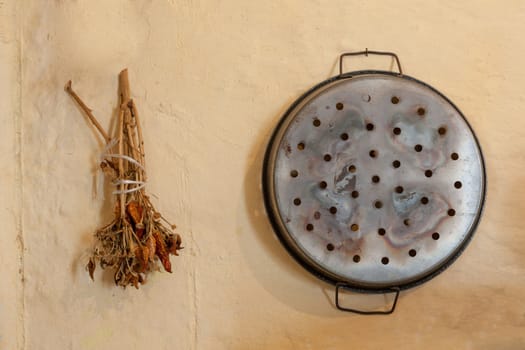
454, 156
366, 98
333, 210
428, 173
354, 227
418, 148
352, 169
344, 136
300, 146
309, 227
406, 222
317, 215
442, 130
294, 173
297, 201
323, 184
399, 189
372, 153
330, 247
378, 204
327, 157
396, 164
316, 122
435, 236
356, 258
421, 111
451, 212
381, 231
397, 131
412, 252
424, 200
385, 260
458, 184
355, 194
375, 179
339, 106
394, 100
369, 126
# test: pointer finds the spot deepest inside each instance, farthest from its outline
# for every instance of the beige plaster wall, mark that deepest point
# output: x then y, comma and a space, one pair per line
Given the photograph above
11, 243
211, 79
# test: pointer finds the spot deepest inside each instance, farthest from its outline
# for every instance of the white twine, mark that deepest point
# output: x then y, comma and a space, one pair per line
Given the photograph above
128, 158
138, 184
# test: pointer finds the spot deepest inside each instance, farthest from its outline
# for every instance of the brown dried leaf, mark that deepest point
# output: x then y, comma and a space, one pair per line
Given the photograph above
136, 212
135, 281
139, 230
150, 243
162, 251
142, 255
174, 243
145, 258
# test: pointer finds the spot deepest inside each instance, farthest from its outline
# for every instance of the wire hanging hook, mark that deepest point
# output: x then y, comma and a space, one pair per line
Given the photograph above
366, 53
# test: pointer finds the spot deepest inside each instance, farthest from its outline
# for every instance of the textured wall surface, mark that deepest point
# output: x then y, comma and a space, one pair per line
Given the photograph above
211, 79
11, 244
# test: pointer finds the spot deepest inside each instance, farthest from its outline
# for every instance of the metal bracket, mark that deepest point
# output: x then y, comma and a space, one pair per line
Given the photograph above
340, 285
366, 53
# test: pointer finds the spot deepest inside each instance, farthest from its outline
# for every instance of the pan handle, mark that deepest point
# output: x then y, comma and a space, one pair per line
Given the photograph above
366, 53
340, 285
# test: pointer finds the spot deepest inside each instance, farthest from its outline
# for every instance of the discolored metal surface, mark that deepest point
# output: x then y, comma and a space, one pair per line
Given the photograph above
374, 179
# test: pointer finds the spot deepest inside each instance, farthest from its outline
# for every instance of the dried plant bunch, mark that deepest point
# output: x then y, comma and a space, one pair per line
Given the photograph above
139, 236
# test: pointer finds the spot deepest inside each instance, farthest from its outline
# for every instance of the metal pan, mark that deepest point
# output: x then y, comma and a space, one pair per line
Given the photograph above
374, 181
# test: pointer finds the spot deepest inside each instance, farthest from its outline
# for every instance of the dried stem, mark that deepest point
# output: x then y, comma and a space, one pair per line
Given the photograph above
121, 162
123, 81
140, 144
86, 110
124, 92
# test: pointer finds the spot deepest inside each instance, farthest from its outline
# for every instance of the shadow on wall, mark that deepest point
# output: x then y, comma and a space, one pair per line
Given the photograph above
267, 259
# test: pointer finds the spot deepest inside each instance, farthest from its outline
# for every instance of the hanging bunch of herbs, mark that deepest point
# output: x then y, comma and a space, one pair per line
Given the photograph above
138, 237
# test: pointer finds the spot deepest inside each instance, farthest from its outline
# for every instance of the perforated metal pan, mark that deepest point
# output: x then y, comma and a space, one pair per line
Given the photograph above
374, 181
